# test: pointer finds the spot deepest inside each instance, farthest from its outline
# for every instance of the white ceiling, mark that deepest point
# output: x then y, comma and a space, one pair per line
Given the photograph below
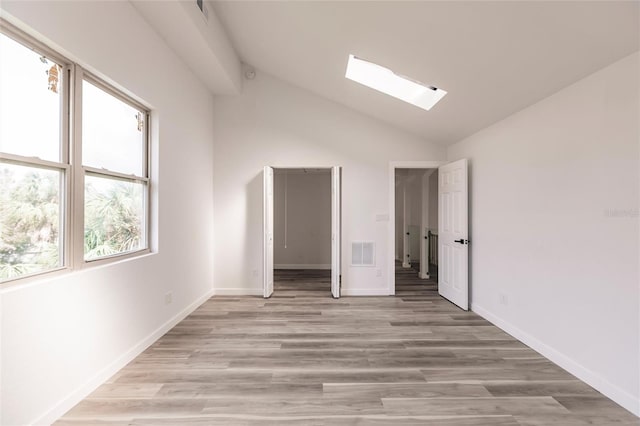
494, 58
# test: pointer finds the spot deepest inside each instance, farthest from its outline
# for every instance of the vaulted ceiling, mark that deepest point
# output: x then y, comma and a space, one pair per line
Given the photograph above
493, 58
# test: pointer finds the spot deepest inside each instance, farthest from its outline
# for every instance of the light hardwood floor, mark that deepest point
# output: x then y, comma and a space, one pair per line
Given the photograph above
303, 358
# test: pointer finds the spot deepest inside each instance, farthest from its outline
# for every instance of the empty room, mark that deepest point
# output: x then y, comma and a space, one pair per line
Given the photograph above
319, 213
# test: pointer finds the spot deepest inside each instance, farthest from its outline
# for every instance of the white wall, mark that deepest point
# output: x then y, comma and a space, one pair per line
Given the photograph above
554, 227
62, 337
274, 123
306, 243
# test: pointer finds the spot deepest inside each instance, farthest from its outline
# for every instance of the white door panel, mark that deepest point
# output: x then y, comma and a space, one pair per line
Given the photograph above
267, 209
336, 211
453, 238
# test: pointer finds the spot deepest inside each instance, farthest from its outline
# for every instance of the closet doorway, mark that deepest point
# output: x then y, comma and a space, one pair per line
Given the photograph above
301, 226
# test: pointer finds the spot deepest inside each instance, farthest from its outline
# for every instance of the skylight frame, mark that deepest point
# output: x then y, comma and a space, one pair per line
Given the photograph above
390, 83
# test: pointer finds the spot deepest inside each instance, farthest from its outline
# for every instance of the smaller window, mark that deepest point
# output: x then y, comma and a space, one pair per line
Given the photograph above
30, 220
114, 156
114, 216
31, 102
33, 164
113, 132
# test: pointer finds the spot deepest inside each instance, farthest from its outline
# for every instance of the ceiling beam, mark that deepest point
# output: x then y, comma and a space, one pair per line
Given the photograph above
201, 42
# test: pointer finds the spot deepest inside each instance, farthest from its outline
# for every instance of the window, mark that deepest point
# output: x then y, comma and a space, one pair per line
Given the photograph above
34, 166
114, 156
102, 171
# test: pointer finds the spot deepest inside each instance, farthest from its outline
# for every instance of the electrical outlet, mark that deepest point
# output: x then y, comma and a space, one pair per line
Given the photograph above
168, 298
378, 272
502, 298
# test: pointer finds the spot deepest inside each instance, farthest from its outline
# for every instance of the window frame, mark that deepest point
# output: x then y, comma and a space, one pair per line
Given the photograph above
71, 234
63, 164
79, 255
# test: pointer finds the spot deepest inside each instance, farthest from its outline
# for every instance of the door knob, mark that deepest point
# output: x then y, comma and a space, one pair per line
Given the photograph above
461, 241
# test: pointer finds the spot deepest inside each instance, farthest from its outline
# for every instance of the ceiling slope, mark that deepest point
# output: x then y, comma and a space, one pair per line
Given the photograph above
200, 42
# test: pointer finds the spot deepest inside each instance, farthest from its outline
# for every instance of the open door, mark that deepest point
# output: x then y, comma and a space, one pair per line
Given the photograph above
336, 210
267, 215
453, 230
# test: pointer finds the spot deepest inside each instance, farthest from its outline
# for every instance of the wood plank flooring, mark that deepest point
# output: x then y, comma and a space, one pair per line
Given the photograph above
302, 358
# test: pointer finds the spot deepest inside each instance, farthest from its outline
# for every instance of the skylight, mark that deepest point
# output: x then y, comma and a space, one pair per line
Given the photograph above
386, 81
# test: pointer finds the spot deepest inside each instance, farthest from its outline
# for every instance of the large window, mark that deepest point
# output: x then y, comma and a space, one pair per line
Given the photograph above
74, 175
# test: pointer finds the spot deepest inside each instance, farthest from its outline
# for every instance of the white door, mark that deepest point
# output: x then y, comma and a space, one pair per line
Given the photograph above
336, 211
267, 226
453, 238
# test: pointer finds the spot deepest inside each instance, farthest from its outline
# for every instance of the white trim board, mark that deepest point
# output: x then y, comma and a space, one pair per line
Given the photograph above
302, 266
593, 379
365, 291
69, 401
237, 291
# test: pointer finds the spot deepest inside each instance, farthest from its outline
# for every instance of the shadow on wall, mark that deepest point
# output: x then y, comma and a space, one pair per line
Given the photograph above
253, 237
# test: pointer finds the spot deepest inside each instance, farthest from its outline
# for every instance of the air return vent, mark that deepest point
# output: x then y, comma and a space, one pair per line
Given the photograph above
362, 253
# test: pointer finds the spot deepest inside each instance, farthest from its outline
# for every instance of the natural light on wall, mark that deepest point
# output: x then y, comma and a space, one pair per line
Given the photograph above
386, 81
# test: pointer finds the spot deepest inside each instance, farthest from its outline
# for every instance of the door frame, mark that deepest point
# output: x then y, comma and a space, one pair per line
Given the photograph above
330, 169
391, 229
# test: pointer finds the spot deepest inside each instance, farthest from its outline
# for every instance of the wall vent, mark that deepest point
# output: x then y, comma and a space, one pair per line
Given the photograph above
363, 253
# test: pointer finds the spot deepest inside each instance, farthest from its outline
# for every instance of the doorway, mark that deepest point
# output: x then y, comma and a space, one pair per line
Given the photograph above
452, 245
416, 221
302, 231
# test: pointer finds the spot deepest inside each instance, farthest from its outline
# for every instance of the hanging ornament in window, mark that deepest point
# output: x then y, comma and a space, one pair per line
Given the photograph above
53, 74
140, 119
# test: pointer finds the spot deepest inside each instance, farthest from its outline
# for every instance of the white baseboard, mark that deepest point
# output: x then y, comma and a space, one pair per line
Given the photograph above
234, 291
593, 379
92, 384
365, 291
303, 266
